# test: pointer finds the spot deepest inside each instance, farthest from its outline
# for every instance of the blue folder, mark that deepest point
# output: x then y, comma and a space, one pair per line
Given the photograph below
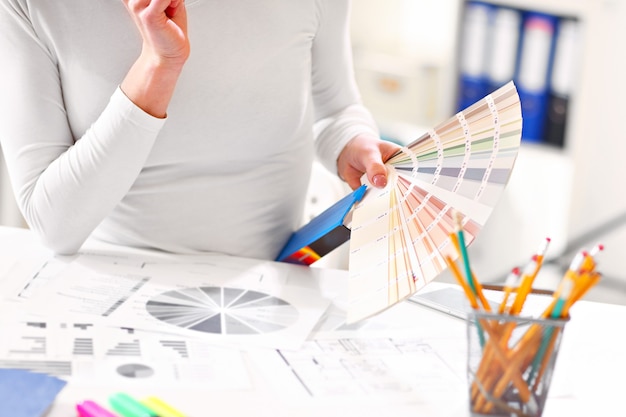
321, 235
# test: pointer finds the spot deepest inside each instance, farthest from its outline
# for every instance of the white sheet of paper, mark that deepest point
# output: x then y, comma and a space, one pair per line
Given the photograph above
90, 355
367, 370
221, 300
404, 355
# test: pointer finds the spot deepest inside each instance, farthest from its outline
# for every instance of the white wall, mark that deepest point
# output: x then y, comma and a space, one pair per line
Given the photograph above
600, 135
404, 58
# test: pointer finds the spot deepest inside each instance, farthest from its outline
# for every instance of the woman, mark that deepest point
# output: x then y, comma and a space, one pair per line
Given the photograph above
183, 127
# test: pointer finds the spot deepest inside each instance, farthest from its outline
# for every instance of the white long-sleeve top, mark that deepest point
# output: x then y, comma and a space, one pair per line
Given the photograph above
268, 84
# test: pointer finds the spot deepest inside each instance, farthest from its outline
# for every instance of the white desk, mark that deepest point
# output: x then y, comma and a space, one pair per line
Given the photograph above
586, 382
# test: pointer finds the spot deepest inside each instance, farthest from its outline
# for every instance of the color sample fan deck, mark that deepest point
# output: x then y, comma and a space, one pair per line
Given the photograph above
400, 234
223, 310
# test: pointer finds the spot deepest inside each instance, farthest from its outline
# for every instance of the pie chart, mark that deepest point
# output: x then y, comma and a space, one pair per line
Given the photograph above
222, 310
135, 370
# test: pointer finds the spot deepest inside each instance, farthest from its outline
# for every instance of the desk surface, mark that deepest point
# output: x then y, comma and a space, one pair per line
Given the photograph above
432, 345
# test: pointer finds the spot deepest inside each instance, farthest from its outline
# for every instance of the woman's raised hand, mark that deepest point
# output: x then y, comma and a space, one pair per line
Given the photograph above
165, 48
163, 27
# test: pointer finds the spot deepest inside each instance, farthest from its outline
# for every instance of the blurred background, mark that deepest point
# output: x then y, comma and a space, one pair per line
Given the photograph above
418, 62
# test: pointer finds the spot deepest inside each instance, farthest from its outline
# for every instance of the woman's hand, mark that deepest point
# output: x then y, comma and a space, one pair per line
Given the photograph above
163, 27
165, 48
365, 154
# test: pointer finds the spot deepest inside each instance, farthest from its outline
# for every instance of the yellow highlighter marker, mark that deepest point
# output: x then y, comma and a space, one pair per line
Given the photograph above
161, 408
127, 406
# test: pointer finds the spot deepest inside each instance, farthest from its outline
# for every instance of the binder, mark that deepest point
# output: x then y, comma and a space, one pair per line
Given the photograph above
322, 234
562, 81
533, 72
503, 49
473, 54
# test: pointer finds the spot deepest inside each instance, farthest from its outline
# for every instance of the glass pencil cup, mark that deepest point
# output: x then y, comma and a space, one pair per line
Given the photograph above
510, 363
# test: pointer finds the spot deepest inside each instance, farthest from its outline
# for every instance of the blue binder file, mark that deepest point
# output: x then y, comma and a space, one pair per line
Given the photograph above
562, 81
473, 54
534, 72
322, 234
504, 46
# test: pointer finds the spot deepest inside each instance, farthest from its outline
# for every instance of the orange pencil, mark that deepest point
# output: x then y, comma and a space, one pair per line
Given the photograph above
474, 284
528, 277
457, 275
512, 281
494, 363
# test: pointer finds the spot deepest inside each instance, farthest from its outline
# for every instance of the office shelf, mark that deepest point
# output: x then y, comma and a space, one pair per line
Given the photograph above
574, 189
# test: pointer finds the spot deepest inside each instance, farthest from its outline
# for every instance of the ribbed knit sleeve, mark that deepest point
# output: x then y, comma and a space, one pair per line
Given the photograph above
65, 185
339, 113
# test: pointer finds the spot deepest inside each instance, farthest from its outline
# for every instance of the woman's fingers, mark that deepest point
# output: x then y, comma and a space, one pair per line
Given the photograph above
173, 8
163, 28
365, 154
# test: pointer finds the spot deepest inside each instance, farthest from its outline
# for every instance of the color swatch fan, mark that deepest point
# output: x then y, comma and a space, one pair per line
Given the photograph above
400, 234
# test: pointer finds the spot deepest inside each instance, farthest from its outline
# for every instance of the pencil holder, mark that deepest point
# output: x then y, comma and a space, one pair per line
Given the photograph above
510, 363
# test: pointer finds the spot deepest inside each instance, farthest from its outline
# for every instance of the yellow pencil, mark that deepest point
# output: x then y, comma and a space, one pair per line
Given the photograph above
518, 359
459, 278
475, 286
493, 363
528, 277
512, 281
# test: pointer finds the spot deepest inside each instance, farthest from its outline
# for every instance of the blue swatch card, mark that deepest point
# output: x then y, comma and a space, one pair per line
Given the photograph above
27, 394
